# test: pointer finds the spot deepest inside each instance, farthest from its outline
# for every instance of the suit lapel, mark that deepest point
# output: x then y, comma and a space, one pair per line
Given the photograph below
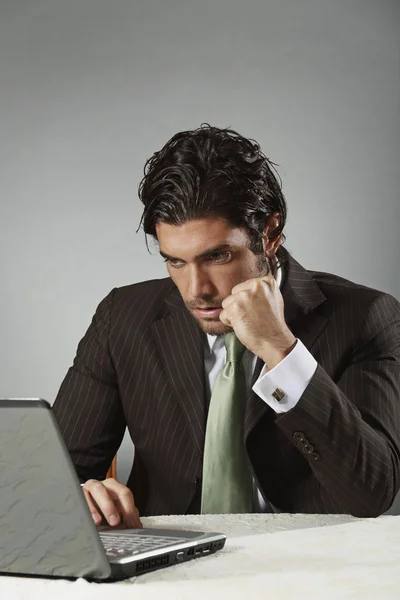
301, 297
180, 344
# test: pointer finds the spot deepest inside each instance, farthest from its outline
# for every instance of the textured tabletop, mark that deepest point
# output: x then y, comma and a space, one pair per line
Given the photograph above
329, 557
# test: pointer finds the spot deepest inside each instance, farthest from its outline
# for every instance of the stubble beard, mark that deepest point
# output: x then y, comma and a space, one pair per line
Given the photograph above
212, 326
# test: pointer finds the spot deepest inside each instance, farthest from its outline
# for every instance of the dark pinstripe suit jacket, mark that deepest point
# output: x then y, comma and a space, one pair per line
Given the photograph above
140, 364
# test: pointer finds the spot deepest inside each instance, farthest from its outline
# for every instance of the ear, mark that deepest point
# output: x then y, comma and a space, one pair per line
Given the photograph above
271, 242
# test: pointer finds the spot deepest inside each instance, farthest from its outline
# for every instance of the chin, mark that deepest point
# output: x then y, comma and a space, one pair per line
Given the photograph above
213, 327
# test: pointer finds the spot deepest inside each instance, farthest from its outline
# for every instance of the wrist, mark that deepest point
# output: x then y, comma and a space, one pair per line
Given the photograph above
274, 354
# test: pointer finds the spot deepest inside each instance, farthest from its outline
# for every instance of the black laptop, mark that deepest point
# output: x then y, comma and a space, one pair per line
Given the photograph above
46, 528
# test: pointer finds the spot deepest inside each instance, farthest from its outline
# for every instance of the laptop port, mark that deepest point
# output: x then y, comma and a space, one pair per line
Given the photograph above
203, 549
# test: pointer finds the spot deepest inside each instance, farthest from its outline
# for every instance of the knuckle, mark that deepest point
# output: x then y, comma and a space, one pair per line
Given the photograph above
243, 297
261, 284
125, 492
90, 483
236, 289
237, 306
96, 485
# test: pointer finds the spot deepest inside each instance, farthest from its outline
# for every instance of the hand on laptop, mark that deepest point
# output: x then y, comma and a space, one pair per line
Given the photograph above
113, 501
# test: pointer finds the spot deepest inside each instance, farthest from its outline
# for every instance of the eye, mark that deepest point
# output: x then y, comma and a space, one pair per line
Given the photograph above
219, 257
174, 262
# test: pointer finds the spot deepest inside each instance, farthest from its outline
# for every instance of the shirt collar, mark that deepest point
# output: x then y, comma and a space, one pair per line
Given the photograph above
213, 339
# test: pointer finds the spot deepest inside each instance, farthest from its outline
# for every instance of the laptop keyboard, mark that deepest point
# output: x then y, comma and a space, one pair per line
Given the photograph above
118, 546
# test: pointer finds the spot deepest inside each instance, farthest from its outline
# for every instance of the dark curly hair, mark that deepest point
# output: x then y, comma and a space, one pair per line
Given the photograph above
210, 172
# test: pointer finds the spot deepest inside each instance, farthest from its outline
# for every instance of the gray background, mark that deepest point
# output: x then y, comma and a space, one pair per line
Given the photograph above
89, 89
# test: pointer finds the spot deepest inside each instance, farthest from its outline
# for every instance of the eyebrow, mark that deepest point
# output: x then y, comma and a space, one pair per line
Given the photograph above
202, 255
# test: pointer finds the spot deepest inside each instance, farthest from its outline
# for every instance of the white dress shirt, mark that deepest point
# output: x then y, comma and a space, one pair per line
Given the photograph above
292, 375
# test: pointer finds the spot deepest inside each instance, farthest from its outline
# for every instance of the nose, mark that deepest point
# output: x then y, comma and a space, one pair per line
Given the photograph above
200, 284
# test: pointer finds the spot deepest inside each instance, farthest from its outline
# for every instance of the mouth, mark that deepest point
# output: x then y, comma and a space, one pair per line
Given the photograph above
208, 313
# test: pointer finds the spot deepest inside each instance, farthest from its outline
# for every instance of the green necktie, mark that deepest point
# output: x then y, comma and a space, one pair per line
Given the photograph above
227, 481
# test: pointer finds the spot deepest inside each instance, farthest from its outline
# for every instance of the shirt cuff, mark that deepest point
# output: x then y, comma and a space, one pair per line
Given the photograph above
291, 377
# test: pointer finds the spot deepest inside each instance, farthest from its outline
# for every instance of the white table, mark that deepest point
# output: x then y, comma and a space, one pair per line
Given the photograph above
324, 557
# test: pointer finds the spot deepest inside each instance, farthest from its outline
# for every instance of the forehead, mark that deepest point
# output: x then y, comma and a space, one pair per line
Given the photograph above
198, 236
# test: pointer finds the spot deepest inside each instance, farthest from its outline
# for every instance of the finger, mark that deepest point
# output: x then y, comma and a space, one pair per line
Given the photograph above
102, 497
269, 280
128, 510
245, 285
93, 509
251, 284
240, 298
223, 316
227, 301
123, 497
137, 519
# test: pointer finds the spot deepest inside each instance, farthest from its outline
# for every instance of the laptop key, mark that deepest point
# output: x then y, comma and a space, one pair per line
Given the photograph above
119, 545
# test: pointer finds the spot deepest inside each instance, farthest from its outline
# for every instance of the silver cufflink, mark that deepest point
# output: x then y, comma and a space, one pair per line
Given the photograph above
278, 394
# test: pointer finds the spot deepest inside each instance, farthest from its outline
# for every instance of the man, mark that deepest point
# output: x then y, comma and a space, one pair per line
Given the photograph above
245, 381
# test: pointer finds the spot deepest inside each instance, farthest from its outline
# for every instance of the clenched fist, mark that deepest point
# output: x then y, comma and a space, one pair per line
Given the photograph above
255, 311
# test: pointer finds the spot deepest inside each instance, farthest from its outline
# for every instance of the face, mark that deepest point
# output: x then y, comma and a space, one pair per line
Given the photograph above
206, 258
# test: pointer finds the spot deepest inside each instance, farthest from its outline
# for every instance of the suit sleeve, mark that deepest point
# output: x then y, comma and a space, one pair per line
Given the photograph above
349, 430
88, 408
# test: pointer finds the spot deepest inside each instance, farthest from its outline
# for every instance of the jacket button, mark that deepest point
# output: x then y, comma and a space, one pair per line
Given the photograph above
307, 448
299, 436
314, 456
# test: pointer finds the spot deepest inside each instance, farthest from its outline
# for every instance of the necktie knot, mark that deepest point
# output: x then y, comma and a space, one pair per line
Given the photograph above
234, 347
